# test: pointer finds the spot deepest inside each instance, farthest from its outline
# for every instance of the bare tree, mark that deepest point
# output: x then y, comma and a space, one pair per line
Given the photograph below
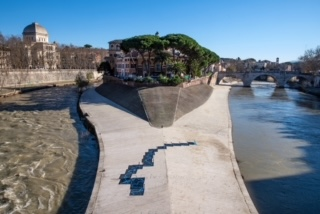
311, 60
50, 59
2, 39
4, 60
66, 56
18, 53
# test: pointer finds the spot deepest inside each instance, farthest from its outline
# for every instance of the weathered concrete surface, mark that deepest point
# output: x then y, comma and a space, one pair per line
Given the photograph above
184, 179
124, 95
160, 106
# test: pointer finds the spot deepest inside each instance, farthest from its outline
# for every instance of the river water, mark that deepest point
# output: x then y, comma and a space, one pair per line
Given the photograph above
48, 159
277, 145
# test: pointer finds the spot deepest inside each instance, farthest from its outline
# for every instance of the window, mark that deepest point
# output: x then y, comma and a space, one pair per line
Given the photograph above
158, 67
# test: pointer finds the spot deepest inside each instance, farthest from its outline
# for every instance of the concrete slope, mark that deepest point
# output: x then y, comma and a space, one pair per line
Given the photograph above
191, 98
160, 104
125, 96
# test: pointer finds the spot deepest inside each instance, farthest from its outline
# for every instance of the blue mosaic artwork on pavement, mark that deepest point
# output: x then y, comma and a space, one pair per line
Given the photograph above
137, 184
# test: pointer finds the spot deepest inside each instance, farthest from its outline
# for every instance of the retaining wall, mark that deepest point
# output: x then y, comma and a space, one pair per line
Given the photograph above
203, 80
24, 77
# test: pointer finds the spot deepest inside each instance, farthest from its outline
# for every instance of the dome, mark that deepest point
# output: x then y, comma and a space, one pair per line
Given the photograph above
34, 28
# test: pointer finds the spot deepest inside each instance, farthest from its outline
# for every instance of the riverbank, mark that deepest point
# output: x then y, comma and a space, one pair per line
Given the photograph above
10, 91
313, 91
189, 167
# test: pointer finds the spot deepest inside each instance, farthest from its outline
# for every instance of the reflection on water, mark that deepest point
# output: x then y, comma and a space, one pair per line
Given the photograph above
43, 150
275, 133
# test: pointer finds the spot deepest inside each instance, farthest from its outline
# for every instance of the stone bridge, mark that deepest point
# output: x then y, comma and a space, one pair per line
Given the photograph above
280, 77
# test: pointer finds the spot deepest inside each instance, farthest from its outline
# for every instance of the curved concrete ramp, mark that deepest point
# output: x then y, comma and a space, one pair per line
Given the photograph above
191, 98
161, 106
125, 96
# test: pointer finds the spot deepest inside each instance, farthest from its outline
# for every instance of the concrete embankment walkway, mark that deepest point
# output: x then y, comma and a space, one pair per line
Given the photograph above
144, 169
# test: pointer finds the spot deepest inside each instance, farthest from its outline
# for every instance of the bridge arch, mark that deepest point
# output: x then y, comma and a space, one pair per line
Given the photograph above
256, 75
301, 78
229, 75
280, 77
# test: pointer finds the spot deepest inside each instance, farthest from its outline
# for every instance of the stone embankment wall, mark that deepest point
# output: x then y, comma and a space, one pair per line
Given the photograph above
200, 81
203, 80
24, 77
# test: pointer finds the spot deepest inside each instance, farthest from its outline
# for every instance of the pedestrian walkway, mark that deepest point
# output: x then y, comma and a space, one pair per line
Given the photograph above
189, 167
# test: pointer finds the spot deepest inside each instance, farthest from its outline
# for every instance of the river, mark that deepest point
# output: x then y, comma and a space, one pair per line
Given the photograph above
276, 139
48, 159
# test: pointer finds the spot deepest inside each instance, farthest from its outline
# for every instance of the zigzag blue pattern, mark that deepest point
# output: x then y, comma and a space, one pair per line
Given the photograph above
137, 184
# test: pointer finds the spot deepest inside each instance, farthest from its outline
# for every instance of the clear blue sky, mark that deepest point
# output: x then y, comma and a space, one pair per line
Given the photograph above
261, 29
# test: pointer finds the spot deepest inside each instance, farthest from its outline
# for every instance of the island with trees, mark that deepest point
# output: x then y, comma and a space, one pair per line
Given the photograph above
164, 62
173, 58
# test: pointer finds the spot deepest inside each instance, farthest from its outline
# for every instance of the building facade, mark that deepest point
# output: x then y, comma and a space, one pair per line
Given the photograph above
132, 63
41, 54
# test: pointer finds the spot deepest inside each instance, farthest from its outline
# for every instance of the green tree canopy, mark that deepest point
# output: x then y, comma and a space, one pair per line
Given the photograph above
197, 58
106, 67
87, 46
145, 45
162, 57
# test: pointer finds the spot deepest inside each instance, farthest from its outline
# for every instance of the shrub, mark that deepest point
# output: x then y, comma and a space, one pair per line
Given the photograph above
90, 76
176, 80
148, 79
163, 79
139, 79
81, 80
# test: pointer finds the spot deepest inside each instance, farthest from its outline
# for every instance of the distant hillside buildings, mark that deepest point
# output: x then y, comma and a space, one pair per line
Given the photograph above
131, 63
228, 64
